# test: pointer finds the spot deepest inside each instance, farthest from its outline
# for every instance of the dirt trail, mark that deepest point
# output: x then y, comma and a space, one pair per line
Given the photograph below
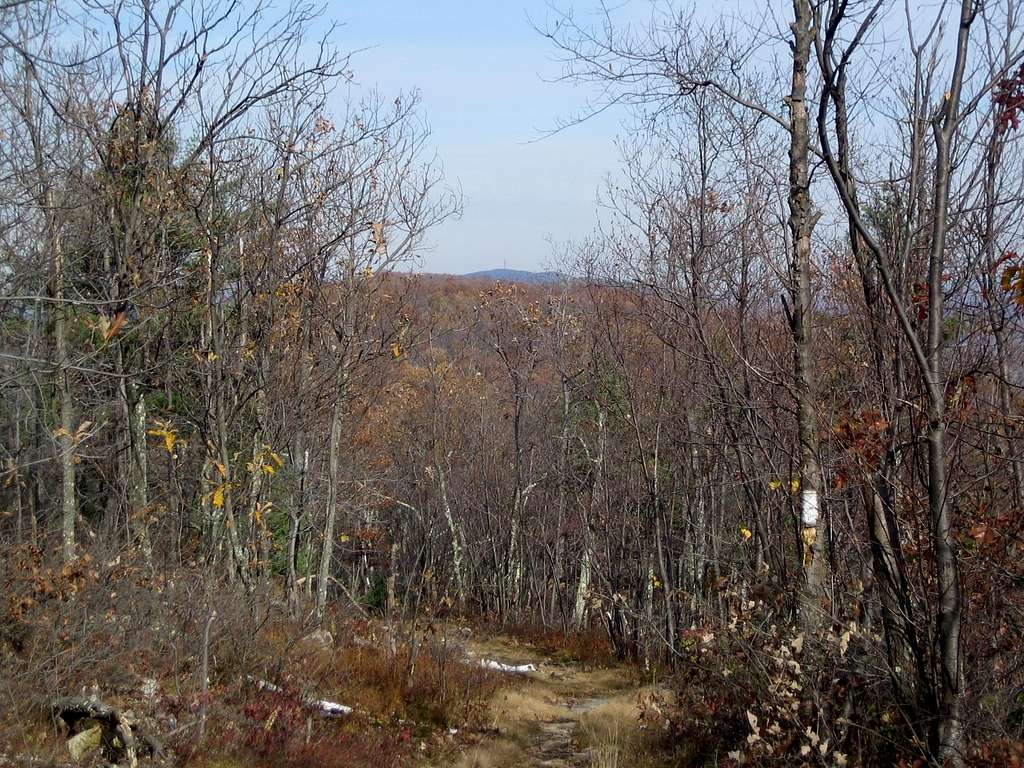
560, 716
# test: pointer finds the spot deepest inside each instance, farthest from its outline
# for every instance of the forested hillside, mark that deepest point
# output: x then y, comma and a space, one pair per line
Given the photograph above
763, 448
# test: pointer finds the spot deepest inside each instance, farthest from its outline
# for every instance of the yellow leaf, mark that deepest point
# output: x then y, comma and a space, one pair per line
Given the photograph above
218, 496
745, 533
262, 508
221, 468
775, 485
264, 461
396, 350
794, 484
344, 537
167, 431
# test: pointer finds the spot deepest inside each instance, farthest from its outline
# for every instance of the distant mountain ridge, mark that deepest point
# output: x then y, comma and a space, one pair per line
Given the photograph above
518, 276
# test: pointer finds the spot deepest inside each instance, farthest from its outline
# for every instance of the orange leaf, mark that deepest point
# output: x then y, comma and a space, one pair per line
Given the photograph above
115, 327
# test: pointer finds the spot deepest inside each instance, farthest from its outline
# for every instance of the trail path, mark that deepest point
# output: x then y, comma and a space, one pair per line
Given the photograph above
561, 716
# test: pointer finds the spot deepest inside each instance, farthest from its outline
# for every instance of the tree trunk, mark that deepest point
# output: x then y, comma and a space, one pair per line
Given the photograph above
62, 374
333, 468
801, 225
300, 457
134, 406
563, 466
454, 532
586, 563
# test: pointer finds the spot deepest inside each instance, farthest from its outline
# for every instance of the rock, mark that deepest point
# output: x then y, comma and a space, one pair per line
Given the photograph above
116, 727
319, 638
328, 708
81, 744
512, 669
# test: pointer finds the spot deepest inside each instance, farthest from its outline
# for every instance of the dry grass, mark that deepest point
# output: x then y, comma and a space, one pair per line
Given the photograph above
597, 708
589, 646
104, 626
615, 735
607, 743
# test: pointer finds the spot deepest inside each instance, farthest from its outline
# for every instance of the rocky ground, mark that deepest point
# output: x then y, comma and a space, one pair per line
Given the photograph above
562, 714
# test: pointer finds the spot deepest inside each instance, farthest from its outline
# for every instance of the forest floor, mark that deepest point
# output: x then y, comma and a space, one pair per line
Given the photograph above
575, 707
563, 715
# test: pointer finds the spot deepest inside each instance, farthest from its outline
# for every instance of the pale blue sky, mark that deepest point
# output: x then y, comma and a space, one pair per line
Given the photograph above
485, 75
481, 70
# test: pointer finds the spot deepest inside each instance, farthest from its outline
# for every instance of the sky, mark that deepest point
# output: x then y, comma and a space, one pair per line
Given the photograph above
486, 78
484, 75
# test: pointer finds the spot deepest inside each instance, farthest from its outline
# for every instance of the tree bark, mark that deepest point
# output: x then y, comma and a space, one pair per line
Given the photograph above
333, 469
801, 225
589, 546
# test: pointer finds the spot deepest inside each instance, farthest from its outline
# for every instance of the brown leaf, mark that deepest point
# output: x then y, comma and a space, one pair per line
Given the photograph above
115, 327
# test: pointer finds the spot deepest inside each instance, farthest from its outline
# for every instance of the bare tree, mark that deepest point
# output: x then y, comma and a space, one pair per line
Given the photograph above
930, 167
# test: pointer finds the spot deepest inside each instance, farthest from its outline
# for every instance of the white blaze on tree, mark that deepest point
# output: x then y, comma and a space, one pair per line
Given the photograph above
809, 508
